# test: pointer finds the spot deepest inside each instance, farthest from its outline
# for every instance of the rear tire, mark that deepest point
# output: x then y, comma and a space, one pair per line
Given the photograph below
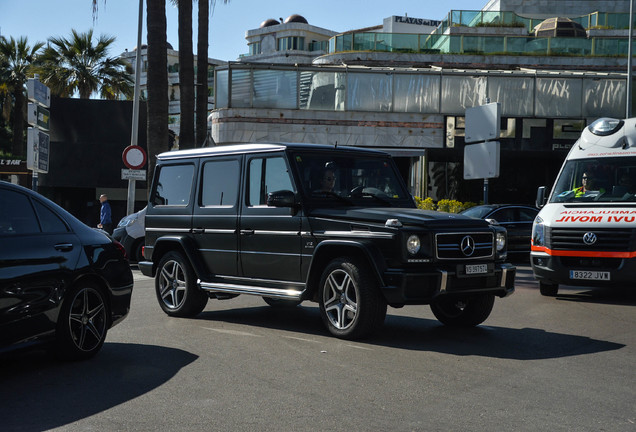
82, 324
467, 311
175, 285
351, 304
548, 289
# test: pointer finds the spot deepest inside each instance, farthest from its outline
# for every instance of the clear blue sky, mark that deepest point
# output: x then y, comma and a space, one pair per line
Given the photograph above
41, 19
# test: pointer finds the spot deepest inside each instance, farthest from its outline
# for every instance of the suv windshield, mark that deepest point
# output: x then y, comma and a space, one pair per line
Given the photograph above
597, 180
351, 179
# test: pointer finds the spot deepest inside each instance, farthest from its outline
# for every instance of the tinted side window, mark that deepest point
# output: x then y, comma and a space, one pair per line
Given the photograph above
16, 214
51, 223
526, 215
267, 175
504, 215
220, 183
174, 185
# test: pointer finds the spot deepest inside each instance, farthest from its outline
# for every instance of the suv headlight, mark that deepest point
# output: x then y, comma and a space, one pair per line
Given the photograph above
413, 244
501, 241
538, 232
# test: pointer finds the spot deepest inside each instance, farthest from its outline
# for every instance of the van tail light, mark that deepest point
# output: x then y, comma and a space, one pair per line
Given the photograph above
143, 251
121, 248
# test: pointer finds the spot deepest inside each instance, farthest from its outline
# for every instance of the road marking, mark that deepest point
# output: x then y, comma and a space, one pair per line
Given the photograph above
360, 347
300, 339
232, 332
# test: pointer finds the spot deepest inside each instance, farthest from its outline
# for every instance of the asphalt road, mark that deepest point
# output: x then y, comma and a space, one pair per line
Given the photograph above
538, 363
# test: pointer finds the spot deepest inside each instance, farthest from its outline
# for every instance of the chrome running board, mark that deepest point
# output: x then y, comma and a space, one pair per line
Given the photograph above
279, 293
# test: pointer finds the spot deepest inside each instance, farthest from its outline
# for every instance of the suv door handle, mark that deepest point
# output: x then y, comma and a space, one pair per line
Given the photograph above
247, 232
64, 247
198, 230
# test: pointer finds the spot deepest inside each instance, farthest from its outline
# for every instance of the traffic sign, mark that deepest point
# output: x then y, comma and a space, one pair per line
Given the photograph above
38, 116
38, 92
133, 174
483, 123
37, 151
134, 157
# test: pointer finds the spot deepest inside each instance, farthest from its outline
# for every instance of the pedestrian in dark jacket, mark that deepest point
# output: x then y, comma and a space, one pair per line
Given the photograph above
105, 215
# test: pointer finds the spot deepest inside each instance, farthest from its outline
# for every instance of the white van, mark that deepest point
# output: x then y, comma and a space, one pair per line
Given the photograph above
585, 233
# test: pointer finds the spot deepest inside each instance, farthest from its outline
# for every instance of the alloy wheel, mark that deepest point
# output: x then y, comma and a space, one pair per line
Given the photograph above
340, 298
87, 319
172, 284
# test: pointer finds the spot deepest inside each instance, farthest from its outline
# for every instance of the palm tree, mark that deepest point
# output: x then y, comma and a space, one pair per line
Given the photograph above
75, 65
16, 63
157, 82
202, 70
186, 75
201, 100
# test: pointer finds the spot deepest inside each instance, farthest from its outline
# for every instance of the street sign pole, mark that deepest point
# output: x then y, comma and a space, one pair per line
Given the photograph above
38, 141
130, 207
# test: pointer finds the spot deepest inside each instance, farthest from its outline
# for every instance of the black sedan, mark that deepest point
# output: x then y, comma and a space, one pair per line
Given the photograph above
517, 219
62, 283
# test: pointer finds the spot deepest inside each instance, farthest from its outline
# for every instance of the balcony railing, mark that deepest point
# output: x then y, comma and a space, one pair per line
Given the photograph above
472, 18
478, 44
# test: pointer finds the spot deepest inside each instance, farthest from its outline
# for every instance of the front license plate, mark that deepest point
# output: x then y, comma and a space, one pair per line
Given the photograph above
589, 275
476, 268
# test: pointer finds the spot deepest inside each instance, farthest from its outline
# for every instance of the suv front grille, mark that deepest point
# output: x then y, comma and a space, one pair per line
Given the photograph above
458, 245
607, 239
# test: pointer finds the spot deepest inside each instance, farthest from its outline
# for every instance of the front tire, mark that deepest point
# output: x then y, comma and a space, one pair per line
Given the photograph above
82, 324
351, 304
175, 285
465, 311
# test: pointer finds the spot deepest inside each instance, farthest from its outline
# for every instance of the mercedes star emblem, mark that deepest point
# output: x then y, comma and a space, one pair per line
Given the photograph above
467, 246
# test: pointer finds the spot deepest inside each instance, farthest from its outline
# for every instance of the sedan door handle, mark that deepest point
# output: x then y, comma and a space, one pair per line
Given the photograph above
64, 247
247, 232
198, 230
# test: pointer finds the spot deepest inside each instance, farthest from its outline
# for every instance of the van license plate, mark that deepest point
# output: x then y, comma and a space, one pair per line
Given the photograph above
589, 275
476, 268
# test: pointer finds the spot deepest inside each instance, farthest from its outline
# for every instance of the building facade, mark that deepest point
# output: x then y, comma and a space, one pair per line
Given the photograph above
174, 93
406, 93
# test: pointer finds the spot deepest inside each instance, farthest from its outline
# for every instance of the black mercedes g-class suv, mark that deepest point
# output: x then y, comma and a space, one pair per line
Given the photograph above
334, 225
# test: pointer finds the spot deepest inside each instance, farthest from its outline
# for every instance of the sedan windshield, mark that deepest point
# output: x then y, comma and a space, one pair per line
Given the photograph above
596, 180
341, 178
478, 212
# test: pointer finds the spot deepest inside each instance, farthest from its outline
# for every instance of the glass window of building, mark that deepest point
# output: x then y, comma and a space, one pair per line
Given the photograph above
291, 43
255, 48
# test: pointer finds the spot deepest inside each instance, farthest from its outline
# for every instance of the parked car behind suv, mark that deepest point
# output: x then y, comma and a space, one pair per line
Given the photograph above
516, 219
61, 282
130, 232
337, 226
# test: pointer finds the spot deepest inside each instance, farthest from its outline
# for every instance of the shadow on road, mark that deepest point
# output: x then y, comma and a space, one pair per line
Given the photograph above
486, 341
620, 296
39, 393
422, 334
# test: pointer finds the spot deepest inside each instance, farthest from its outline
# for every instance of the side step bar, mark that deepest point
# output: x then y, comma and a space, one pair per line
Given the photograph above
285, 294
